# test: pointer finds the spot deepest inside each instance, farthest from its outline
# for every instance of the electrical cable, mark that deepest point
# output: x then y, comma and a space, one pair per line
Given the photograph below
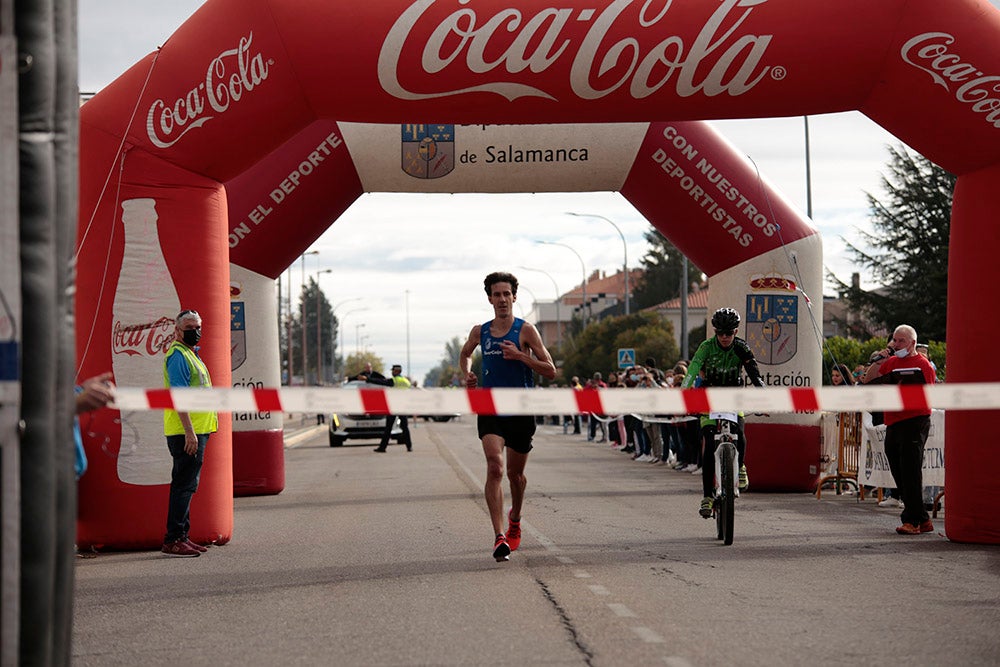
120, 161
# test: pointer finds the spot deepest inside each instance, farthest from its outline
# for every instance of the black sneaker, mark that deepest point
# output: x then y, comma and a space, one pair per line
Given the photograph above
501, 549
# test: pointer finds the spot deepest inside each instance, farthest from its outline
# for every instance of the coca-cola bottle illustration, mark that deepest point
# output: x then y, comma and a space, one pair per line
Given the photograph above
143, 313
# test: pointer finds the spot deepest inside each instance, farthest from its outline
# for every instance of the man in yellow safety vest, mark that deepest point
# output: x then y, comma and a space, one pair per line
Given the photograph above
187, 433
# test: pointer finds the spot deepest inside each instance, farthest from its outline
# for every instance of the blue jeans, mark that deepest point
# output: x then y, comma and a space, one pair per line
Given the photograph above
184, 480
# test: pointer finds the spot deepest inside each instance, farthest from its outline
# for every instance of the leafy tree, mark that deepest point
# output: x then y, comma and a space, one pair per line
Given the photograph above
851, 352
661, 278
442, 374
597, 346
847, 351
696, 337
909, 248
355, 363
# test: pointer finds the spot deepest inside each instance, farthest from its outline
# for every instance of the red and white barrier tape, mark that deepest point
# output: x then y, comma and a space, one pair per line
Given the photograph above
377, 400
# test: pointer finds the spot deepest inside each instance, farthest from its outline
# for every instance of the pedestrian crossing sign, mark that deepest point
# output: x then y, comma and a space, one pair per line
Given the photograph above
626, 357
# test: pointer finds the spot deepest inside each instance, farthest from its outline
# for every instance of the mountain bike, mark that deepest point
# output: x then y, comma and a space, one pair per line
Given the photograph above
726, 474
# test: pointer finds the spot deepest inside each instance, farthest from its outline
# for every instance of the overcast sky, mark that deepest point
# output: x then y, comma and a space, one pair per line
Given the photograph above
372, 248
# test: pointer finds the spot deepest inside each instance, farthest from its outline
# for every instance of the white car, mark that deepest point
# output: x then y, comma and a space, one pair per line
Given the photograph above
360, 427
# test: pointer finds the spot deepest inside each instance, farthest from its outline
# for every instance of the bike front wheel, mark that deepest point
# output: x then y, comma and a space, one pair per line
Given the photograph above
726, 516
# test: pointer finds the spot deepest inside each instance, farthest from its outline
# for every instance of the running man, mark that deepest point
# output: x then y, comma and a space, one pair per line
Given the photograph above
512, 352
720, 360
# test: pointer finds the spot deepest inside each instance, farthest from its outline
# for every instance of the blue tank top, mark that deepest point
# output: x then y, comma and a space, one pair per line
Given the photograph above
500, 372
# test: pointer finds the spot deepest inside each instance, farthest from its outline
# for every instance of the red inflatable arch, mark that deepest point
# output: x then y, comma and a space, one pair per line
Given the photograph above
232, 144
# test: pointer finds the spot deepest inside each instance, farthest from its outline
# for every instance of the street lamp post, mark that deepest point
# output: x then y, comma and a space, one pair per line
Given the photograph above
583, 269
684, 308
533, 298
350, 312
407, 332
558, 299
281, 311
319, 330
624, 247
809, 196
305, 373
357, 331
341, 328
288, 325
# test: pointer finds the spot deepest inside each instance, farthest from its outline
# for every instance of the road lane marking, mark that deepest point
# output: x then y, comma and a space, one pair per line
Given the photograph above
647, 635
676, 661
621, 610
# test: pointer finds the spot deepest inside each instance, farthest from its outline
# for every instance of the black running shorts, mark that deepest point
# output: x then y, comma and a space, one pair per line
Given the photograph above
516, 431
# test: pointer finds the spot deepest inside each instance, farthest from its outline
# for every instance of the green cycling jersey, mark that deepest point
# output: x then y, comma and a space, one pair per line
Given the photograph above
720, 367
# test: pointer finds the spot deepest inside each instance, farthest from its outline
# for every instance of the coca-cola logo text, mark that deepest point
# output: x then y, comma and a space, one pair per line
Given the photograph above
148, 339
232, 74
930, 53
533, 44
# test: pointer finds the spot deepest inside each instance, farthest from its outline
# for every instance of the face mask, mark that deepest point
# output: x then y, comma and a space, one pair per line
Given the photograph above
191, 337
902, 353
633, 377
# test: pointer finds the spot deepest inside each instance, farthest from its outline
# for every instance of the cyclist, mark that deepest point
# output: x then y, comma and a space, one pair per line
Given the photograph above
719, 362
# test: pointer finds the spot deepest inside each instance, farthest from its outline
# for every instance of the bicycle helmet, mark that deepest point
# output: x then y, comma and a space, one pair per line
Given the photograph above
726, 319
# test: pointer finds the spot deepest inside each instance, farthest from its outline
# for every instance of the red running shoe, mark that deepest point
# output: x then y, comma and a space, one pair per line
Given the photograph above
908, 529
501, 550
926, 527
513, 532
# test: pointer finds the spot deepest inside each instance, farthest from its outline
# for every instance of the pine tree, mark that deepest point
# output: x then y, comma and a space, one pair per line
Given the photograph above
909, 249
662, 266
326, 328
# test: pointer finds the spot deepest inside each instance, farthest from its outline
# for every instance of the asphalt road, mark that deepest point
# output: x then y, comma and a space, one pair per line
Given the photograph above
384, 559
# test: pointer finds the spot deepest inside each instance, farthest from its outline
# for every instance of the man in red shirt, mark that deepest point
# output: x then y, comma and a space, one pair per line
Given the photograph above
906, 431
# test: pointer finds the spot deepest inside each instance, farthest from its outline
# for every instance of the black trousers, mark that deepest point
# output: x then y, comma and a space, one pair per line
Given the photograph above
904, 447
404, 423
593, 423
